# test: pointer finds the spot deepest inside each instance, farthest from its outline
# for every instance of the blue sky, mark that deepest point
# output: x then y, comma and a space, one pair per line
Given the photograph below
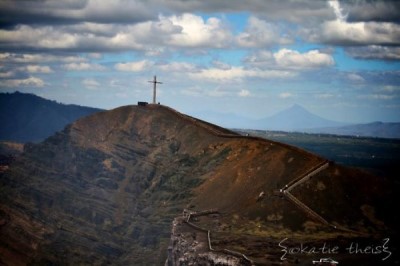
340, 60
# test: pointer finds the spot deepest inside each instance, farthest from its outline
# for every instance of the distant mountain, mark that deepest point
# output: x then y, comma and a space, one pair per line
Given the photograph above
29, 118
375, 129
293, 119
297, 118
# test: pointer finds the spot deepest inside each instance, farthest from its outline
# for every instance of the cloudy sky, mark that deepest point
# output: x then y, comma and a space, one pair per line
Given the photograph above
253, 58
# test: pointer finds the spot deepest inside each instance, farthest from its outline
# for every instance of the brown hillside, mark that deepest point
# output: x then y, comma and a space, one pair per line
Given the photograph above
106, 189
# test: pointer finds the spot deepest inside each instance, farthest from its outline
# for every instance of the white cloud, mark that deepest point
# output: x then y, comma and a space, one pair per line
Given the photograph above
187, 30
68, 38
335, 5
195, 32
259, 33
38, 58
238, 73
244, 93
39, 37
342, 32
83, 66
91, 84
28, 82
36, 69
359, 33
293, 59
135, 66
177, 67
285, 95
355, 78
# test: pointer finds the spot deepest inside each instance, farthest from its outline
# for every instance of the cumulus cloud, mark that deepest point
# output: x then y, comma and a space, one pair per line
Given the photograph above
177, 67
47, 37
36, 69
28, 82
359, 33
73, 11
195, 32
83, 66
239, 73
293, 59
259, 33
342, 32
67, 38
90, 84
37, 58
375, 52
98, 26
136, 66
289, 59
293, 11
187, 31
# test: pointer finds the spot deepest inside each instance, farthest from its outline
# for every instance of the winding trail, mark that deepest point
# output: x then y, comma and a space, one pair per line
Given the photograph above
189, 214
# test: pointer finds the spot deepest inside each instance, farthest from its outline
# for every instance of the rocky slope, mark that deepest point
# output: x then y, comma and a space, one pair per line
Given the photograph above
106, 189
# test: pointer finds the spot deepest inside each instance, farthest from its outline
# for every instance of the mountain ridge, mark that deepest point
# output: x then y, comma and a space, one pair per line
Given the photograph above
106, 189
27, 117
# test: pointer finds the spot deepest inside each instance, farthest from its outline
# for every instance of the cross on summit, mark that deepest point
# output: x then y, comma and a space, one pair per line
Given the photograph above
154, 81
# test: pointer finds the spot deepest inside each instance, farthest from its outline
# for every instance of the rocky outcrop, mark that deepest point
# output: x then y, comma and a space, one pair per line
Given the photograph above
190, 246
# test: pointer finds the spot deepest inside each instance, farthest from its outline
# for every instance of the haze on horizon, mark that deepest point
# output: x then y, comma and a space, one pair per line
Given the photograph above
338, 59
